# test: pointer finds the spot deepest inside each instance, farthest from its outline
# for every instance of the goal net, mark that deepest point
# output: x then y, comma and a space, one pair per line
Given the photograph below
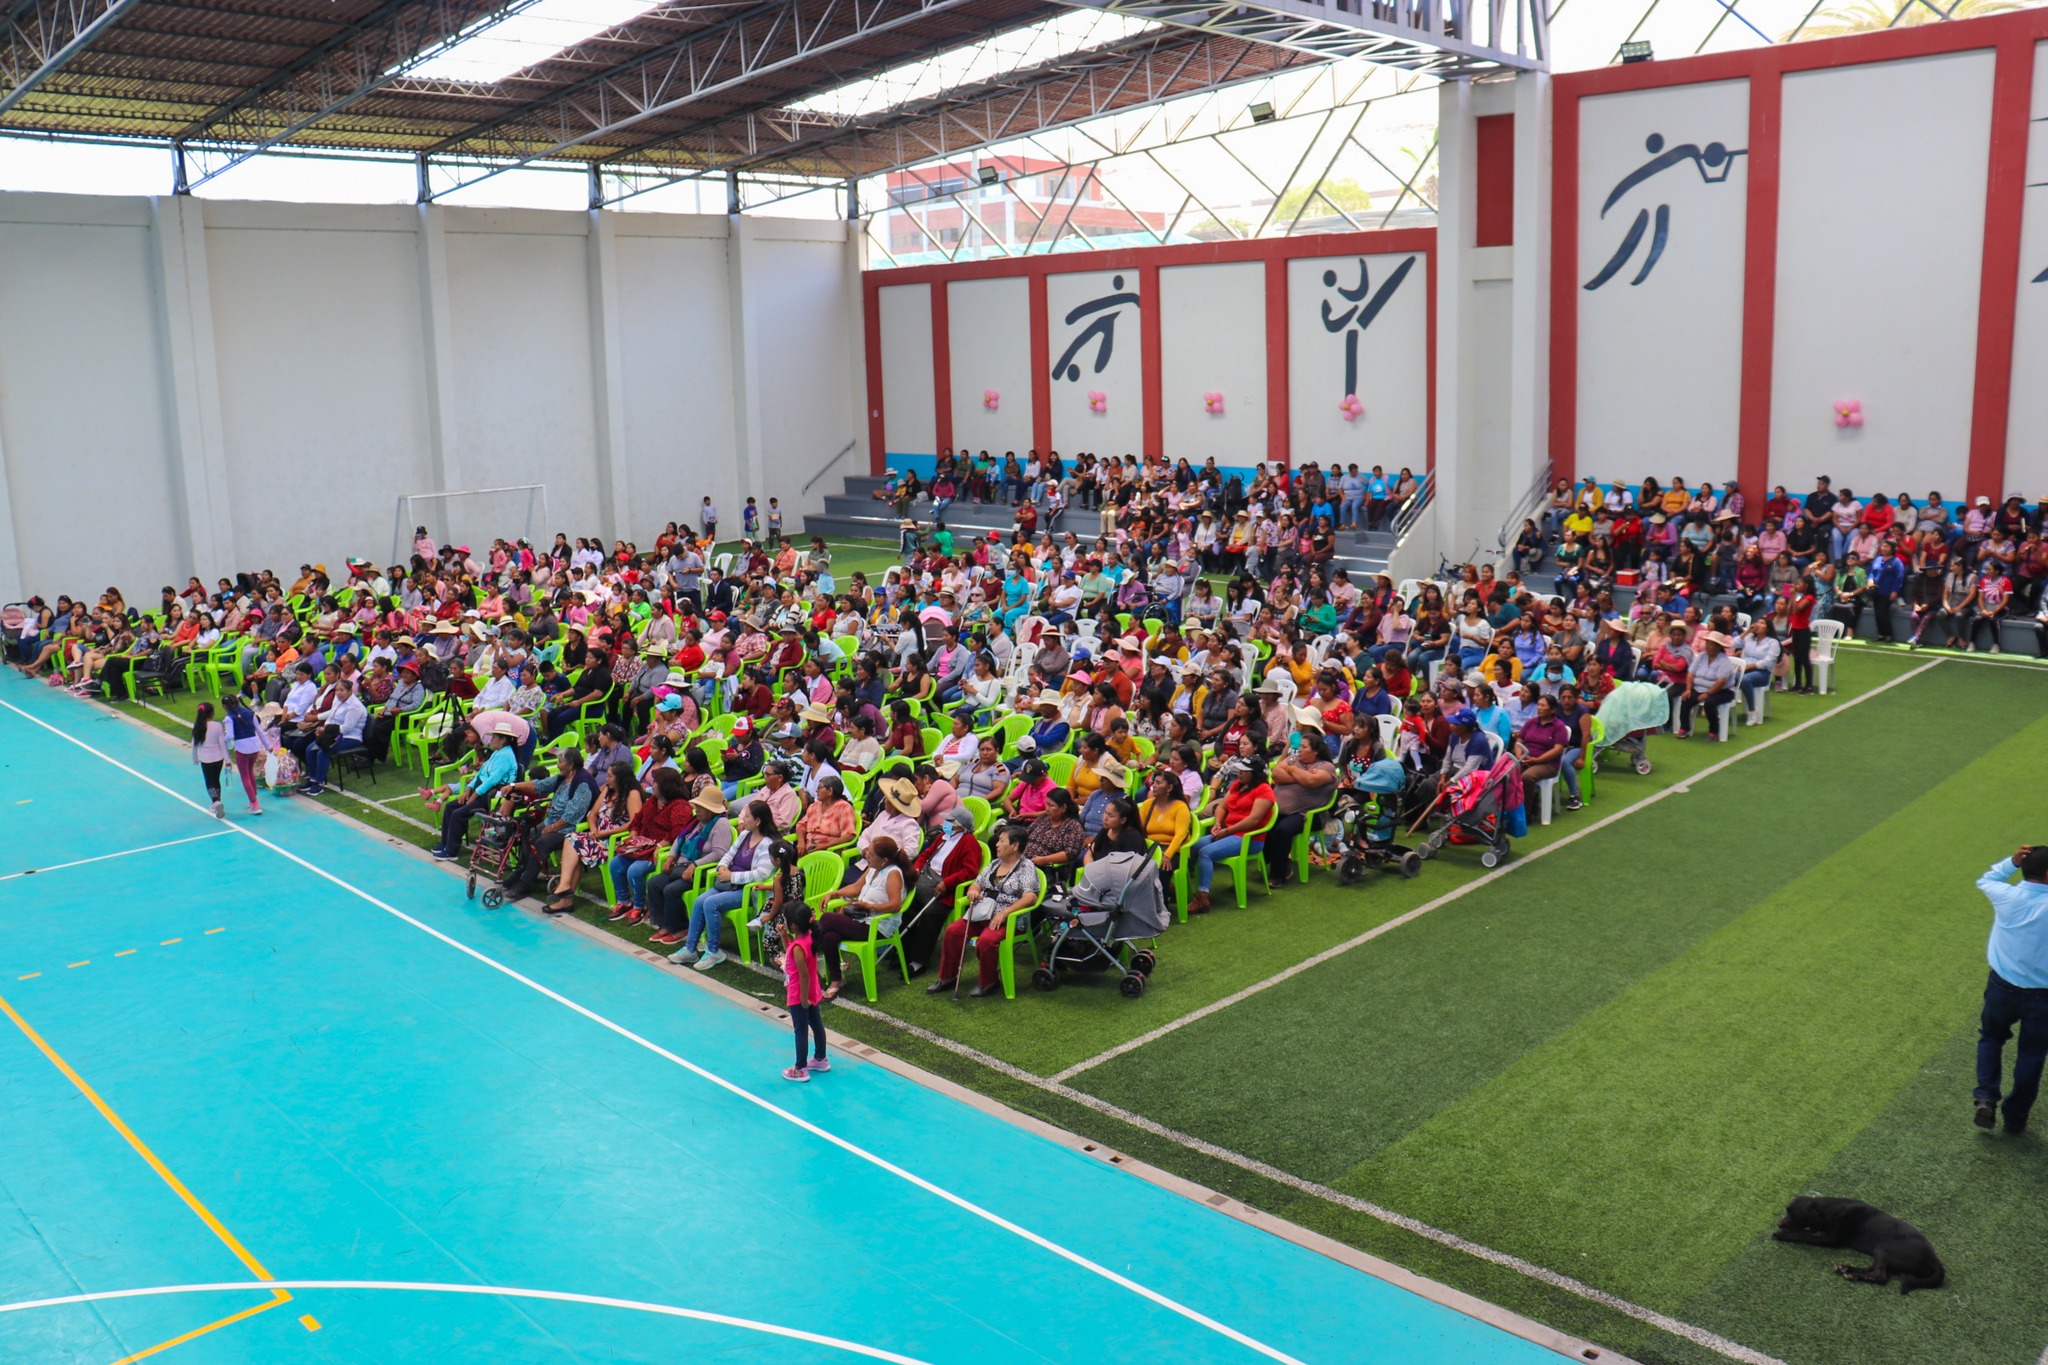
471, 516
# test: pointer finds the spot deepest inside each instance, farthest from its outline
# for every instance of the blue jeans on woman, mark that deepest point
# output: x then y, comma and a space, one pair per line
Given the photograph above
708, 914
1754, 681
632, 873
1209, 850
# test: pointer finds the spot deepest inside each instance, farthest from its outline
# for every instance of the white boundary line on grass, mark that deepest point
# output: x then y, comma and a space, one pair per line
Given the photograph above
489, 1291
104, 857
731, 1087
1460, 892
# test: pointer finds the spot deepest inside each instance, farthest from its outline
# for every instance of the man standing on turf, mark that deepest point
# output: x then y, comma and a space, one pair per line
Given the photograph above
2017, 992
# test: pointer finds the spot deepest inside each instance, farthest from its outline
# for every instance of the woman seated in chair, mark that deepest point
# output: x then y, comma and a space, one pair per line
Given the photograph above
613, 813
1165, 817
880, 887
1004, 888
952, 855
1242, 807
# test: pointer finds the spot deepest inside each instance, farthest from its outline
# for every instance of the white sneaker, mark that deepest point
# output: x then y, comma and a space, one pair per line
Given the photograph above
683, 956
709, 960
756, 922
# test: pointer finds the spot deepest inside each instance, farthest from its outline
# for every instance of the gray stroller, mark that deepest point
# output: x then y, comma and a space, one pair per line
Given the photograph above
1099, 925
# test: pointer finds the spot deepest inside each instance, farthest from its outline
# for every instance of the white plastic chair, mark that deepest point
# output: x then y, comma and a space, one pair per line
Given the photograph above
1407, 588
1544, 790
1827, 637
1390, 731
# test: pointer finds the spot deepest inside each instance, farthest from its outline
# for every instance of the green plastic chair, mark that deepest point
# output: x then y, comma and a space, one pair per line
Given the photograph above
1299, 852
1596, 735
1061, 767
1183, 867
933, 738
867, 952
822, 872
984, 815
1239, 864
1017, 931
1009, 730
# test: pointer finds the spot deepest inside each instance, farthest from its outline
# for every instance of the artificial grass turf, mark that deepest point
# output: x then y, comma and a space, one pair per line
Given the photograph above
1416, 1019
1650, 1141
1982, 1198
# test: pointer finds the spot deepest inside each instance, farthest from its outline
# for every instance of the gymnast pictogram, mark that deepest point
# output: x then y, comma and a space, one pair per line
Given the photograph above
1353, 321
1713, 162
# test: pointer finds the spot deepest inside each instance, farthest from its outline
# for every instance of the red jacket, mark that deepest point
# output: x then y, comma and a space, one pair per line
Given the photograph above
961, 864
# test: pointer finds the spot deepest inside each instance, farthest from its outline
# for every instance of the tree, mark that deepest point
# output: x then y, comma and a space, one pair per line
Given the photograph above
1347, 195
1871, 16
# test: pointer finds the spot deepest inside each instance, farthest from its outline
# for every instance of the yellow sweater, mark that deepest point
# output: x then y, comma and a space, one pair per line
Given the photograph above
1167, 828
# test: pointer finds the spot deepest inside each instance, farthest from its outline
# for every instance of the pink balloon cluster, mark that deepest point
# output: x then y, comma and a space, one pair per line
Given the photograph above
1849, 414
1212, 403
1351, 407
1098, 401
991, 400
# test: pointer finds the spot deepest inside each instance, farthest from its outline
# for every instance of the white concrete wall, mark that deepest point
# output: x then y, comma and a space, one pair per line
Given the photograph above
910, 423
2026, 437
1119, 429
1657, 396
1393, 365
990, 321
1877, 289
213, 386
1212, 339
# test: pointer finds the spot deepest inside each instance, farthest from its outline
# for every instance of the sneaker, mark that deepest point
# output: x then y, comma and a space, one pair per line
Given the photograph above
1987, 1114
219, 812
440, 854
312, 789
795, 1073
619, 912
709, 960
683, 956
255, 809
817, 1064
635, 916
1573, 803
757, 921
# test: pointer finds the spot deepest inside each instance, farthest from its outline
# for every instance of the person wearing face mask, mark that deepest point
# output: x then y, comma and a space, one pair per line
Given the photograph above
952, 856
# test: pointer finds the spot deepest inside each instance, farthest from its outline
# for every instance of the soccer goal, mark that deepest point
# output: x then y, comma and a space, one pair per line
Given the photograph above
471, 516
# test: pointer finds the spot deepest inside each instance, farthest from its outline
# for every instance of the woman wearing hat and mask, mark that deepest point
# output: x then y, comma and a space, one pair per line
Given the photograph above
951, 857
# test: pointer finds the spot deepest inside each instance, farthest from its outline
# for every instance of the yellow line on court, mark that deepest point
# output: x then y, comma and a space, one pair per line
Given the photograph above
279, 1297
124, 952
169, 941
221, 930
29, 976
308, 1321
86, 963
141, 1148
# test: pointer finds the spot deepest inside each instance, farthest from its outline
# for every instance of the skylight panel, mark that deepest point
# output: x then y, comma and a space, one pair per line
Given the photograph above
496, 48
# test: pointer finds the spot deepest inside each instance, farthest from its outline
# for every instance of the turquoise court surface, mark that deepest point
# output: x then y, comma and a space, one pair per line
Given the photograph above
280, 1051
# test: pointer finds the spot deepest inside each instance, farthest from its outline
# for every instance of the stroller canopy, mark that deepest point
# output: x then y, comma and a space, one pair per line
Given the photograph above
1386, 777
1127, 884
1633, 706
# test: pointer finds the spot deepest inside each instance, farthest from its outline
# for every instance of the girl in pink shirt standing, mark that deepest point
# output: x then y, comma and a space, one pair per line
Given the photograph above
804, 994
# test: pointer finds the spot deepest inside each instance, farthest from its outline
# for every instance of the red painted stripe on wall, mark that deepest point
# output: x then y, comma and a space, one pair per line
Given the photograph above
1493, 154
1154, 438
1564, 290
1041, 362
2012, 91
872, 331
942, 367
1759, 286
1279, 433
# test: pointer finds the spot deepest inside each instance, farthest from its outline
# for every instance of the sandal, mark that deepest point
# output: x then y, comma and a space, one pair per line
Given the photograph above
831, 992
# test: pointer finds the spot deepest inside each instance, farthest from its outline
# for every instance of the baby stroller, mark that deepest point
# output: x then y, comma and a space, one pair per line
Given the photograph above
1095, 927
1369, 818
496, 848
1631, 713
1485, 808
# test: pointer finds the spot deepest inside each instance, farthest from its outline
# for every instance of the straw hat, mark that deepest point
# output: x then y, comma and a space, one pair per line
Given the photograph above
1307, 717
815, 714
901, 795
444, 628
710, 800
1112, 771
1049, 697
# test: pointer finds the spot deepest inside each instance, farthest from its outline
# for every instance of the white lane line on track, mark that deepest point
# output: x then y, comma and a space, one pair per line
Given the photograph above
104, 857
484, 1290
938, 1191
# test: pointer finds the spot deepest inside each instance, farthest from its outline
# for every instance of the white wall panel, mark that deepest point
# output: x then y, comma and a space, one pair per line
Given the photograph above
84, 410
1660, 361
1880, 248
990, 322
321, 364
2026, 436
1212, 338
910, 424
1392, 366
799, 303
675, 344
1119, 429
519, 303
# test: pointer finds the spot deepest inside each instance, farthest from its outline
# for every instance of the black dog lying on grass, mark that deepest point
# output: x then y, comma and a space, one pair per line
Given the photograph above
1895, 1247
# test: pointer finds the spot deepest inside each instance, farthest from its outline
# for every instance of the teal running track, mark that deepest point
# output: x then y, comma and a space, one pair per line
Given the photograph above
280, 1051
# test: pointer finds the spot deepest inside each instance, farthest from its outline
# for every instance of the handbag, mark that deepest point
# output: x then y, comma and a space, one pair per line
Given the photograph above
639, 848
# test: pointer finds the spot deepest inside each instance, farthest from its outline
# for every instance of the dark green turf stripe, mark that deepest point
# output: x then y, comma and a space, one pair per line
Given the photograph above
1320, 1073
1982, 1198
1643, 1148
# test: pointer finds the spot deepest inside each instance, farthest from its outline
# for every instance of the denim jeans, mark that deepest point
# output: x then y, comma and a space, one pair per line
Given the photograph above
1209, 851
2007, 1006
1568, 773
708, 915
631, 875
1352, 512
1754, 681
